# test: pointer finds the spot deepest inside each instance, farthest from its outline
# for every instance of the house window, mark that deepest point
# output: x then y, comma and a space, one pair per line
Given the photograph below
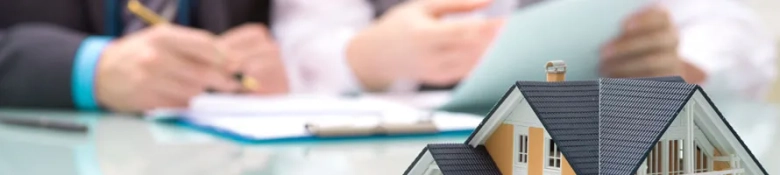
702, 162
654, 160
554, 155
676, 158
522, 148
672, 161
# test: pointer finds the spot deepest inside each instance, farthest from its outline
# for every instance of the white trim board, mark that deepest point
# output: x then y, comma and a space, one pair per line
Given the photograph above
523, 115
422, 164
505, 109
719, 133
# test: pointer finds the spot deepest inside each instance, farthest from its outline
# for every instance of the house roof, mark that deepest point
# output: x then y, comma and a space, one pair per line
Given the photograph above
569, 110
604, 141
627, 109
677, 79
633, 116
460, 159
595, 123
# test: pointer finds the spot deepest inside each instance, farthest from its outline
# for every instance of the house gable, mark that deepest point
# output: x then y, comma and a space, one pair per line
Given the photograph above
495, 117
720, 133
523, 115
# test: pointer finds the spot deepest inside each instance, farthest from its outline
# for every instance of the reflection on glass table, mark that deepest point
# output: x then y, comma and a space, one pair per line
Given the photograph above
125, 145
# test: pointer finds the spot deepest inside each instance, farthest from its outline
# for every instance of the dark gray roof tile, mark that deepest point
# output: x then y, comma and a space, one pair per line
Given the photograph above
461, 158
633, 115
569, 112
663, 79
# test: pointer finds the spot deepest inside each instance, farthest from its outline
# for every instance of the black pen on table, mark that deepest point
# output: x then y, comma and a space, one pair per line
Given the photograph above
45, 123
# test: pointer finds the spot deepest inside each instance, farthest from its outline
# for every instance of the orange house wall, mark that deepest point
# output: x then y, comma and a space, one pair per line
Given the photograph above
566, 168
535, 150
500, 145
720, 165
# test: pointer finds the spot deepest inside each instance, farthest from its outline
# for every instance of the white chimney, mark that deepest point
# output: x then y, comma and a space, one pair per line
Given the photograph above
556, 71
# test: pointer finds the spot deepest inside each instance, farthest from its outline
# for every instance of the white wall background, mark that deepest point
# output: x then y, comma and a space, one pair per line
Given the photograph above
769, 10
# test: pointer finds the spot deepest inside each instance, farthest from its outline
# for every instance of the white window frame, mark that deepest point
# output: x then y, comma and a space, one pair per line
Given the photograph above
520, 130
706, 165
556, 157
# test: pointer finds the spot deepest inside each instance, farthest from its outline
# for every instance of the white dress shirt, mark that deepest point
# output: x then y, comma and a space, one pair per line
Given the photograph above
722, 37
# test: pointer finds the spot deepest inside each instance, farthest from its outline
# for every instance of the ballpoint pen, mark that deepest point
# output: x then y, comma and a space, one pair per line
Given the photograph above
152, 18
45, 123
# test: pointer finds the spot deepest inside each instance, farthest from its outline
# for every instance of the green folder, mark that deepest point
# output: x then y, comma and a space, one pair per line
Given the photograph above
570, 30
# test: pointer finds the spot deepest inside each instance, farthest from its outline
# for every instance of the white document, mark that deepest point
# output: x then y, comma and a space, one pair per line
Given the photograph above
266, 118
267, 128
569, 30
297, 105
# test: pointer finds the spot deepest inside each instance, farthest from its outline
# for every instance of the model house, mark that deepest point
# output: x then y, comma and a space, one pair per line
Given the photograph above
647, 126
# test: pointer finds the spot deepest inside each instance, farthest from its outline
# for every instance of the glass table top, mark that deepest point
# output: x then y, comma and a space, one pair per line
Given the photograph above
123, 145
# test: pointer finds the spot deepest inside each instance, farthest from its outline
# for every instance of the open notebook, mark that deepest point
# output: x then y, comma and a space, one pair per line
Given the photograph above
262, 119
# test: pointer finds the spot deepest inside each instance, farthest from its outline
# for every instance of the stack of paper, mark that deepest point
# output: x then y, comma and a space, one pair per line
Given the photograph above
285, 117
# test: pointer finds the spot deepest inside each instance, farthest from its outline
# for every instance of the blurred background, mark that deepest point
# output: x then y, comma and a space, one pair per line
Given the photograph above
768, 10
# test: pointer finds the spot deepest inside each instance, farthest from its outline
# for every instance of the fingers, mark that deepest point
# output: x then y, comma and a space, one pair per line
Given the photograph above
191, 53
460, 44
271, 76
248, 33
193, 44
468, 28
166, 65
661, 64
438, 8
448, 68
245, 42
647, 47
456, 34
650, 19
184, 71
627, 47
175, 93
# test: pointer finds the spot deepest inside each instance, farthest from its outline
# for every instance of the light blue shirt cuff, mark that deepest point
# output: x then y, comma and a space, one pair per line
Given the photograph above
84, 65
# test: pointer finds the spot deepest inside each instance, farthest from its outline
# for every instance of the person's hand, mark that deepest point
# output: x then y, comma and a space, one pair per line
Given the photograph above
251, 49
162, 66
647, 47
412, 42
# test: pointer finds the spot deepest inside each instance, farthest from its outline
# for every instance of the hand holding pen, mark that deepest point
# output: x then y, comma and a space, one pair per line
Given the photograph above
249, 83
165, 65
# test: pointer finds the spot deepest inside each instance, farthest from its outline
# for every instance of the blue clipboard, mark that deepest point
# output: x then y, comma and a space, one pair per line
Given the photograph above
225, 134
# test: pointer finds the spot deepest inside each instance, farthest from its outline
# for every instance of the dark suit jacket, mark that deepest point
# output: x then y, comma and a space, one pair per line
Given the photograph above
39, 38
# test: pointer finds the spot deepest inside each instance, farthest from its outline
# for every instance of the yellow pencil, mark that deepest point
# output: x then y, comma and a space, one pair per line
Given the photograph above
152, 18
